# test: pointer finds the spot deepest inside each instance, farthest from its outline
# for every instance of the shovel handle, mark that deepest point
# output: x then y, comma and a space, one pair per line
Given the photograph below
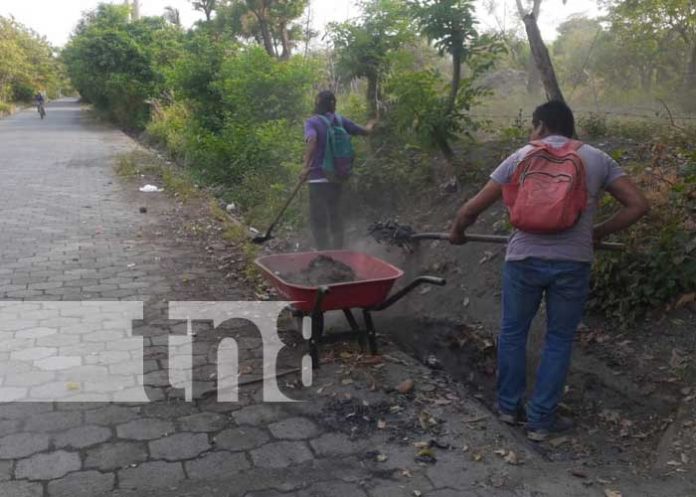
612, 247
285, 207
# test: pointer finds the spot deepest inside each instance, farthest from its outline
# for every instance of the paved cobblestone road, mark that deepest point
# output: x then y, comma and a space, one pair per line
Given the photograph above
72, 231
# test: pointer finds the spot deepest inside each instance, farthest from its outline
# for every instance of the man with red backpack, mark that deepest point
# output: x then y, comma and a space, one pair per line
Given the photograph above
329, 160
552, 189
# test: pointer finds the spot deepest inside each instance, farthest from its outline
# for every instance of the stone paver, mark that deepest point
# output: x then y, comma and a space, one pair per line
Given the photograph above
53, 421
243, 438
294, 429
145, 429
158, 474
84, 484
83, 436
179, 446
111, 415
203, 422
258, 415
215, 465
337, 444
21, 445
281, 454
48, 466
114, 456
20, 489
5, 470
333, 489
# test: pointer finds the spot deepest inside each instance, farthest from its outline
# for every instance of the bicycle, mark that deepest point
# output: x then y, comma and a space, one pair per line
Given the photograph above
41, 109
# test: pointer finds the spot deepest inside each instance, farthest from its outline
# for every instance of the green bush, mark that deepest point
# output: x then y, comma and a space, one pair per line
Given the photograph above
659, 264
119, 65
169, 127
593, 125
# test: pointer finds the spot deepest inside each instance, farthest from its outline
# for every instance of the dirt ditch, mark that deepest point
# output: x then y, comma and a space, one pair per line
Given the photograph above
616, 423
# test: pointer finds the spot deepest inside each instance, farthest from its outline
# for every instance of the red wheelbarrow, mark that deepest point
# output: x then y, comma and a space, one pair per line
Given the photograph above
370, 292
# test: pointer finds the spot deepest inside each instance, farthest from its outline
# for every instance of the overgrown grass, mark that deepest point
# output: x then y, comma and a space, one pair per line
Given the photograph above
659, 267
5, 108
180, 183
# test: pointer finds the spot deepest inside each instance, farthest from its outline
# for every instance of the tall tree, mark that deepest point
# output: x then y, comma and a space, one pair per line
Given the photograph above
172, 15
670, 21
271, 23
451, 26
364, 47
540, 53
205, 6
261, 9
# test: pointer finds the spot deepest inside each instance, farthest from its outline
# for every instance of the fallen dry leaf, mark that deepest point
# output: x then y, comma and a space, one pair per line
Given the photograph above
381, 424
405, 386
512, 459
612, 493
557, 442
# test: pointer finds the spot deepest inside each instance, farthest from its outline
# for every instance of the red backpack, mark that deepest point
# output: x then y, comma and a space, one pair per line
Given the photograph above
548, 190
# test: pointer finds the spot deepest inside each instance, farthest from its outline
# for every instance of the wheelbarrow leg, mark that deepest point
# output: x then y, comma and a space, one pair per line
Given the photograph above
317, 332
371, 332
362, 334
317, 316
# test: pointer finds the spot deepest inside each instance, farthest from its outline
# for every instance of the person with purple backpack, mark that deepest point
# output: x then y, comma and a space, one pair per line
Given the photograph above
328, 164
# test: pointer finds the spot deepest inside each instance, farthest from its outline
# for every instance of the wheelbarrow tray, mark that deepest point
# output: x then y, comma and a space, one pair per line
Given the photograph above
375, 279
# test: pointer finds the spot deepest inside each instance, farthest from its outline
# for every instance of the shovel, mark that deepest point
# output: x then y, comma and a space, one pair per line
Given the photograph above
263, 238
393, 233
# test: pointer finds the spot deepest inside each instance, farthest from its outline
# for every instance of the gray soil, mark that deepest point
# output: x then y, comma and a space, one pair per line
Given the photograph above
323, 270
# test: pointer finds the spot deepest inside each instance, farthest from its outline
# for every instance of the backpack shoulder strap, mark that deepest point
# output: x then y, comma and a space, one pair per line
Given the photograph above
575, 145
325, 119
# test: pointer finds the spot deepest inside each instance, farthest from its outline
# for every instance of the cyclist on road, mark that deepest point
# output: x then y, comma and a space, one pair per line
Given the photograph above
40, 101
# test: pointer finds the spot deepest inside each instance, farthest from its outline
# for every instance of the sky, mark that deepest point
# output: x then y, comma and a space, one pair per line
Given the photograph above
56, 19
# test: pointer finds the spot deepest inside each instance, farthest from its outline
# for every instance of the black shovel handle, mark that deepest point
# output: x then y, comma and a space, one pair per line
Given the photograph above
267, 236
613, 247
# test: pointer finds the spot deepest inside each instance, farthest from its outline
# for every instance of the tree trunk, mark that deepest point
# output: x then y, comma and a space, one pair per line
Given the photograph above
646, 79
372, 90
266, 35
533, 77
456, 80
691, 71
285, 41
542, 59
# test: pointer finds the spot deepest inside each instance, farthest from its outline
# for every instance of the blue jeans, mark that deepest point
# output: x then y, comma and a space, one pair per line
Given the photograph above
565, 284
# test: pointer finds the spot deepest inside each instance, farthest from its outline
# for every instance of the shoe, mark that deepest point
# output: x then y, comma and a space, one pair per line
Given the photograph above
513, 419
559, 425
450, 186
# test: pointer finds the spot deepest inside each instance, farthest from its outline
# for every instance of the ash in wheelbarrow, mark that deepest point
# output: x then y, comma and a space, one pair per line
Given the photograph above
369, 283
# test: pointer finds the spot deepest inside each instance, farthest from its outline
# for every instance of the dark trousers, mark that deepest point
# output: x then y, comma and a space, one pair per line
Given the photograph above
325, 215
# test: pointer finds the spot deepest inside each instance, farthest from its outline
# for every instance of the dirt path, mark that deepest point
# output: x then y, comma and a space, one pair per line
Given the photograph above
78, 241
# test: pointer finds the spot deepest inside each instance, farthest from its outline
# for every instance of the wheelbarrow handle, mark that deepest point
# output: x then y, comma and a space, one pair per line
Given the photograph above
421, 280
612, 247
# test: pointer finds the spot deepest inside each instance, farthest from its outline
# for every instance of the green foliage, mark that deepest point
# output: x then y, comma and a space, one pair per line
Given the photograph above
27, 64
257, 88
659, 265
518, 131
366, 49
593, 125
118, 65
253, 148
